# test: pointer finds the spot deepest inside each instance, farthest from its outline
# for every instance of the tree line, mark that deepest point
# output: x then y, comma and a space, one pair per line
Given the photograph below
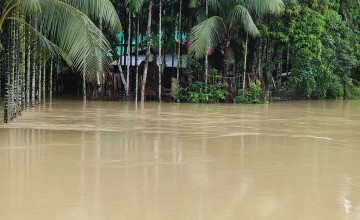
249, 51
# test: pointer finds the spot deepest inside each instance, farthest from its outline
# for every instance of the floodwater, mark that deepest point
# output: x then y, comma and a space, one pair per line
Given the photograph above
105, 161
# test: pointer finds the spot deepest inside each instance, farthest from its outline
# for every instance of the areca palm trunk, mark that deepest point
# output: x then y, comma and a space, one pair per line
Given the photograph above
128, 57
148, 36
44, 82
23, 63
98, 73
179, 49
1, 71
11, 80
51, 81
7, 71
18, 66
84, 85
206, 65
245, 62
160, 49
28, 70
33, 69
260, 52
40, 70
137, 59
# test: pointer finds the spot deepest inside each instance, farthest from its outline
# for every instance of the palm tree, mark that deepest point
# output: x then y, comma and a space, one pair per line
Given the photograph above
209, 5
76, 45
135, 6
222, 29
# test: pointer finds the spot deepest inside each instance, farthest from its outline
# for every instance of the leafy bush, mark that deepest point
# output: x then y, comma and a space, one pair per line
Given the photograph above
254, 95
354, 90
198, 92
315, 81
335, 89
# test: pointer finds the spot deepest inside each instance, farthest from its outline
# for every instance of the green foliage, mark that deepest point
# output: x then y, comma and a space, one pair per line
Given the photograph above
198, 92
354, 90
254, 95
315, 81
305, 34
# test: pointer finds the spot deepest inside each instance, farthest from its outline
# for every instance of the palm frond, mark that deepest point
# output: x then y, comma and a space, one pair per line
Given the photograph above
206, 34
194, 3
42, 43
134, 5
259, 7
30, 6
215, 5
96, 9
74, 33
240, 14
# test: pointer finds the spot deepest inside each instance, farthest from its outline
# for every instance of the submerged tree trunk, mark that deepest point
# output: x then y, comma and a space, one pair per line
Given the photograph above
160, 49
23, 63
7, 71
99, 78
128, 58
137, 59
28, 71
147, 52
84, 85
51, 81
34, 63
44, 82
40, 79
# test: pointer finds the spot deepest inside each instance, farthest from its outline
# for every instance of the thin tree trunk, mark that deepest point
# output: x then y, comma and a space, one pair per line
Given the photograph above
128, 58
13, 70
23, 61
137, 59
99, 80
259, 67
287, 61
51, 81
44, 82
160, 49
180, 41
7, 68
34, 62
123, 80
84, 85
1, 75
40, 79
33, 79
245, 62
206, 65
280, 66
147, 52
28, 72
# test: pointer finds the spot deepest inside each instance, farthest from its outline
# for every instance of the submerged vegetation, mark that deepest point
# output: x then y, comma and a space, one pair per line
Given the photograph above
198, 51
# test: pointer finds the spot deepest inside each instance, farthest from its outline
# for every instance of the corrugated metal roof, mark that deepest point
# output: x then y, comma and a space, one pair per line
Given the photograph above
168, 58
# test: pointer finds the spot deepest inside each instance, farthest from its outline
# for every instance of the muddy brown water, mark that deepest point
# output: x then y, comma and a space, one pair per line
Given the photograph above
104, 161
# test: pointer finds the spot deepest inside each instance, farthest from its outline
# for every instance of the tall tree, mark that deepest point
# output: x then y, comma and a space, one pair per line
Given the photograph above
222, 29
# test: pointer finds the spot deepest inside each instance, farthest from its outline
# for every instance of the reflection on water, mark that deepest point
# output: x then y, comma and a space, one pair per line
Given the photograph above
116, 161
